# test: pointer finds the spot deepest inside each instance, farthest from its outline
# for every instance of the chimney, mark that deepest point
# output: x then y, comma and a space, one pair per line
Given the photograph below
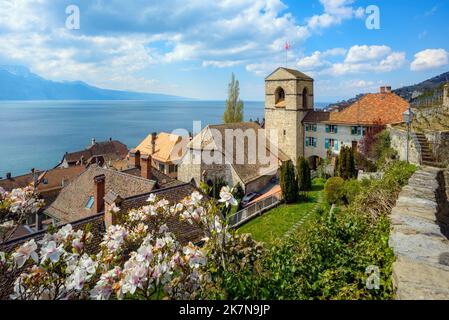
99, 190
8, 175
153, 142
135, 158
111, 217
382, 89
145, 166
388, 89
93, 141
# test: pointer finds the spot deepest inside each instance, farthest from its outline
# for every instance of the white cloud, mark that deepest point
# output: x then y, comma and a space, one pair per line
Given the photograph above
366, 53
364, 58
335, 11
119, 39
430, 59
357, 59
221, 64
318, 59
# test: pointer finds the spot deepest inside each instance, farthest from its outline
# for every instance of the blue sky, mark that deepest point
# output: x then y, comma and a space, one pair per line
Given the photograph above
190, 48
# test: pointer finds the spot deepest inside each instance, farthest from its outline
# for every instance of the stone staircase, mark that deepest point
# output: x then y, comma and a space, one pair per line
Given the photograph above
427, 157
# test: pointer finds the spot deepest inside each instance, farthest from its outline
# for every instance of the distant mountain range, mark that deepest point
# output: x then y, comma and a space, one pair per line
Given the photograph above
411, 92
408, 93
19, 83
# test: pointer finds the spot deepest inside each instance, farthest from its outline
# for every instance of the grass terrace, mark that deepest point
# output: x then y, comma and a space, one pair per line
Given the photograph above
277, 222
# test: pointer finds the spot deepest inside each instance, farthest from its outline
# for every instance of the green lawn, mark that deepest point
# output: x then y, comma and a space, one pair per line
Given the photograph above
275, 223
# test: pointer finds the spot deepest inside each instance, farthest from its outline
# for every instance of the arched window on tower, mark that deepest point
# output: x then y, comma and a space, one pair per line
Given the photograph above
305, 98
280, 97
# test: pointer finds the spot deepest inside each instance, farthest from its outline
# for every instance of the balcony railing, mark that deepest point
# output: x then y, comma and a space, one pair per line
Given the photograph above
257, 208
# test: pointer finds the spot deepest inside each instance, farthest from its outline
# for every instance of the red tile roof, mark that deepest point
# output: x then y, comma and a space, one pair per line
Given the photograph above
382, 108
373, 108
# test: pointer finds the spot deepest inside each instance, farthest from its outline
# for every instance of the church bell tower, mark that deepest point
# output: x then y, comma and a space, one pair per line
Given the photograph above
288, 98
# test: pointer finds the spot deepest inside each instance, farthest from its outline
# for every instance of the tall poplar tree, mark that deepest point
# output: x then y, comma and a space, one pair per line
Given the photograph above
234, 106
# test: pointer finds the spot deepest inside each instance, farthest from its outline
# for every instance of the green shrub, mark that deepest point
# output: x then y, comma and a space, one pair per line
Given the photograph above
386, 156
334, 189
382, 142
288, 183
352, 189
327, 258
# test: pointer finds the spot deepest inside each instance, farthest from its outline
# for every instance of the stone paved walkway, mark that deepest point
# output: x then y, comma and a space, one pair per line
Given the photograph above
420, 223
298, 224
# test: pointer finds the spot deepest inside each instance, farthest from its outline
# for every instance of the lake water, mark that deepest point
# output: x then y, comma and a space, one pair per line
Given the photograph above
36, 134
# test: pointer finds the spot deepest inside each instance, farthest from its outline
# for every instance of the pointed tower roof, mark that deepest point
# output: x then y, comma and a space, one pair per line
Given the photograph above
282, 73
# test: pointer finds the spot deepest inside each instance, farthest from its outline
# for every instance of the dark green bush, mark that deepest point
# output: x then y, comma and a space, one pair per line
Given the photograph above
334, 189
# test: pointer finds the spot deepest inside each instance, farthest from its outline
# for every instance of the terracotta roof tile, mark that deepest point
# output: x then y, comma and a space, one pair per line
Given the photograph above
383, 108
168, 147
70, 205
110, 150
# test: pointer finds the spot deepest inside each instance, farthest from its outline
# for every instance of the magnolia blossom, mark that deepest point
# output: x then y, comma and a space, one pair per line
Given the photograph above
194, 256
151, 198
82, 273
140, 258
227, 197
2, 257
115, 237
51, 252
104, 287
24, 252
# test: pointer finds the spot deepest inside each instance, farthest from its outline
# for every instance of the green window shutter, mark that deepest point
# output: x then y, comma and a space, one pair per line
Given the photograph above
314, 128
327, 129
336, 145
307, 142
336, 129
307, 128
327, 144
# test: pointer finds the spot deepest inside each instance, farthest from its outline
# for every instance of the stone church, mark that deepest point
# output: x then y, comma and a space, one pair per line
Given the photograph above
288, 98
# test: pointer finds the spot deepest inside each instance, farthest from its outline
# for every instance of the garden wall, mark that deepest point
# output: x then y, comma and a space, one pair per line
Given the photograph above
399, 143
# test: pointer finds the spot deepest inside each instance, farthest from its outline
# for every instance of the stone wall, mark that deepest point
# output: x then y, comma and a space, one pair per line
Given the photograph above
419, 238
399, 143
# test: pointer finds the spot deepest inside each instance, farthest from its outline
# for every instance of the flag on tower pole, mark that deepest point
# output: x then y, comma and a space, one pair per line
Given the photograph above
286, 47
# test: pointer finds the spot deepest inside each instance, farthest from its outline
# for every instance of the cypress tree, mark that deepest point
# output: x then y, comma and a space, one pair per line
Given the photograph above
304, 176
289, 185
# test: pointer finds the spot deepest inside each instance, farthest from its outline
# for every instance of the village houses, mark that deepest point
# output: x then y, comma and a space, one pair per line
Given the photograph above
90, 181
